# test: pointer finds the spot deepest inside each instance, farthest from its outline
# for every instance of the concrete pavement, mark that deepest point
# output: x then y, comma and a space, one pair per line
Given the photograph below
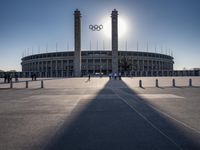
99, 114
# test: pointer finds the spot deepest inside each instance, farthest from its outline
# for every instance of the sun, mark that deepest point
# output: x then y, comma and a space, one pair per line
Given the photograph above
122, 27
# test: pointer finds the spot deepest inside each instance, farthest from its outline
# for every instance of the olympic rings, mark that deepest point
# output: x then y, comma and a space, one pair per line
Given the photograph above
95, 27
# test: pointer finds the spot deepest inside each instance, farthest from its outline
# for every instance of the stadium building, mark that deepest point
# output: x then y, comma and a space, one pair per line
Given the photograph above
61, 64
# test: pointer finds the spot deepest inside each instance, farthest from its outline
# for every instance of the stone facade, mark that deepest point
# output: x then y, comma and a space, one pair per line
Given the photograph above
61, 64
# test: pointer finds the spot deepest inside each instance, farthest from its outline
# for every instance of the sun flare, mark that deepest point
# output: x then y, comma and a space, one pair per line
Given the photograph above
122, 27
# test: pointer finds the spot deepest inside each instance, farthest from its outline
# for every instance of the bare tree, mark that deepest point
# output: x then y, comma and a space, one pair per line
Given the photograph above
125, 64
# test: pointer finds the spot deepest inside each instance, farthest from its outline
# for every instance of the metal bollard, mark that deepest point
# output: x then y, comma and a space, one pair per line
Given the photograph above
42, 84
190, 82
140, 83
11, 84
173, 83
26, 84
157, 83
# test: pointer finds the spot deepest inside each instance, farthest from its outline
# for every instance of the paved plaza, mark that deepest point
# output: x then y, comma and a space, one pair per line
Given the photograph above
100, 114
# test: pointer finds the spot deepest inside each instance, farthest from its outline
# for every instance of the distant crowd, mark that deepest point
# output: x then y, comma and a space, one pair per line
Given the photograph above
34, 77
111, 75
115, 75
8, 78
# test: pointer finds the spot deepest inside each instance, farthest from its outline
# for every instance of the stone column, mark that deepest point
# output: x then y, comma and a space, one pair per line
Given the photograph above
114, 22
38, 68
51, 68
62, 68
46, 73
87, 72
42, 69
93, 65
77, 43
56, 68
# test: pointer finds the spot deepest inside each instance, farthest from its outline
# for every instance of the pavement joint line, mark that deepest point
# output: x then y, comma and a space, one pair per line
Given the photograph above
148, 121
160, 96
165, 114
182, 123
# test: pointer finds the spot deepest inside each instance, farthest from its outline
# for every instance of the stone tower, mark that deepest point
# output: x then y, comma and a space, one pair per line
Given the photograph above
114, 22
77, 43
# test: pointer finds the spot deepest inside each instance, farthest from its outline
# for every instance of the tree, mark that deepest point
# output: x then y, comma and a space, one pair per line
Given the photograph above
125, 64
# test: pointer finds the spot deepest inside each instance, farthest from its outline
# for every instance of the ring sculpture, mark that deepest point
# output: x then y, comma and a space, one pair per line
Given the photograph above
95, 27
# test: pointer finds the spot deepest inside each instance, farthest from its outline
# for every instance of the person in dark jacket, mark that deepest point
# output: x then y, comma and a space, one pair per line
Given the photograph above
5, 77
88, 77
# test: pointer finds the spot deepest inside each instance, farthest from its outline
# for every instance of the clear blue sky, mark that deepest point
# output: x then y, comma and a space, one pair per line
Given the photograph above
29, 24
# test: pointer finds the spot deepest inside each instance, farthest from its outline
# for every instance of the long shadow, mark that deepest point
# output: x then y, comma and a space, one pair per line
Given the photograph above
118, 119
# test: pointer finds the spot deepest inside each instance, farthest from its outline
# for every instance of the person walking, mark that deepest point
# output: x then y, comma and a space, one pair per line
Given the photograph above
8, 78
120, 76
5, 77
35, 77
88, 77
110, 76
16, 78
115, 76
32, 76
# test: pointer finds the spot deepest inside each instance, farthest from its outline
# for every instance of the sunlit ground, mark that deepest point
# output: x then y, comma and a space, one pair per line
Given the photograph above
77, 113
